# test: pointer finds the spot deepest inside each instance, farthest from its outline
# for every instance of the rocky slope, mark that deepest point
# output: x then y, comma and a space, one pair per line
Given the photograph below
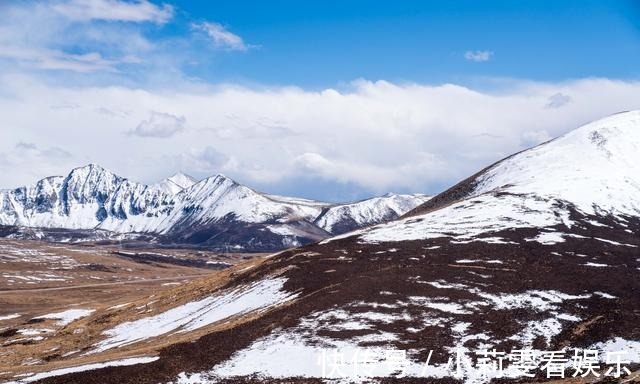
93, 203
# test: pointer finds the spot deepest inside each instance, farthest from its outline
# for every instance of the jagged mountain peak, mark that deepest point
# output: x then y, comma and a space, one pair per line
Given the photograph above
91, 168
93, 175
90, 182
50, 180
218, 181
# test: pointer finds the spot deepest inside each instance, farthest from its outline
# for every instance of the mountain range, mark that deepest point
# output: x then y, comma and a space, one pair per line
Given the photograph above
92, 203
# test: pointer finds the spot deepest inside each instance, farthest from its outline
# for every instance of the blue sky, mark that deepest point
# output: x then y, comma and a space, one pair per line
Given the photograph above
333, 100
318, 44
323, 43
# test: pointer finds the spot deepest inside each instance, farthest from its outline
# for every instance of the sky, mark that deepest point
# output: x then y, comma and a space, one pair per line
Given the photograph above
331, 100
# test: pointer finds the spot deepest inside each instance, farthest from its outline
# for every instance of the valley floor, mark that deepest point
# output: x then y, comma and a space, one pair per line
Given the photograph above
44, 287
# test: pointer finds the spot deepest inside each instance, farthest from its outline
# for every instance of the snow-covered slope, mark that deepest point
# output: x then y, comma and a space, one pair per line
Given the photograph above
595, 167
181, 209
216, 197
594, 170
346, 217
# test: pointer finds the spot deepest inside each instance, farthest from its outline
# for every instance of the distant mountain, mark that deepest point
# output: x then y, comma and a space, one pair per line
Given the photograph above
177, 183
346, 217
93, 203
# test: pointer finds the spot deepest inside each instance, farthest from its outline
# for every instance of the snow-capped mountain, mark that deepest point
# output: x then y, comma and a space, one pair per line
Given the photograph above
347, 217
89, 197
216, 211
591, 171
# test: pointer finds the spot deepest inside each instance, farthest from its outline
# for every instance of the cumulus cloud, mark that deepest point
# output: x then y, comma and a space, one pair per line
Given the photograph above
557, 100
478, 56
222, 38
373, 137
376, 177
115, 10
159, 125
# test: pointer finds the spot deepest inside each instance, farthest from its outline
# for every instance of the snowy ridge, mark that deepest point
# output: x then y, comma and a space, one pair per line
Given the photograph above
594, 169
366, 212
216, 197
93, 198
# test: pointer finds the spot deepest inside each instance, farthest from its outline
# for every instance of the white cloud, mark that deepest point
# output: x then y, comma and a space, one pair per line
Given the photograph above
115, 10
222, 37
558, 100
58, 60
24, 149
159, 125
205, 161
376, 177
478, 56
108, 39
34, 37
378, 136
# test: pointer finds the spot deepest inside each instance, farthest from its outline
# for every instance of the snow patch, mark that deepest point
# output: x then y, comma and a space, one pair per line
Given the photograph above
67, 317
9, 317
86, 367
198, 314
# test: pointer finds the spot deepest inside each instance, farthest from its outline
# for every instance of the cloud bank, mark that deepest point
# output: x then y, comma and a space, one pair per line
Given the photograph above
373, 137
